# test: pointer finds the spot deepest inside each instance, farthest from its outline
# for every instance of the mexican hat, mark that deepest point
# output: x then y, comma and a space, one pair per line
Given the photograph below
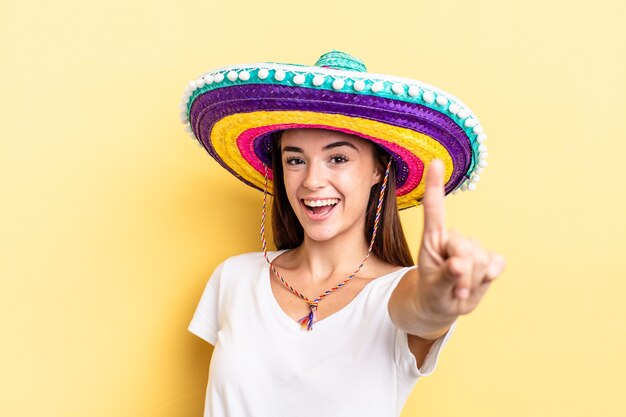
233, 111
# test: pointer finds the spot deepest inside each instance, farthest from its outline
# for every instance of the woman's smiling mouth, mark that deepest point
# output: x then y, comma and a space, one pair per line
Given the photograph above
318, 209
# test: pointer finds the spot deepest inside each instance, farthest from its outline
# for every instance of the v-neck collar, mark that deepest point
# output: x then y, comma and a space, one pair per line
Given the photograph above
291, 324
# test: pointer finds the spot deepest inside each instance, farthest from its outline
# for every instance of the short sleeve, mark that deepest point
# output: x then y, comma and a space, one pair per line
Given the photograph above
205, 319
407, 361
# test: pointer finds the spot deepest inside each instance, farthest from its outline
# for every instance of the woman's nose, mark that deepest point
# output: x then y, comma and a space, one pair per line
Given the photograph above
315, 177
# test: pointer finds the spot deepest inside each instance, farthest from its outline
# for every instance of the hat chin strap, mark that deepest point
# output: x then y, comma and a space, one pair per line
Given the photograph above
307, 321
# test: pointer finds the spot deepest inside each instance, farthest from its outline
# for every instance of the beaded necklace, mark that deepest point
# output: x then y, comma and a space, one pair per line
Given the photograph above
307, 321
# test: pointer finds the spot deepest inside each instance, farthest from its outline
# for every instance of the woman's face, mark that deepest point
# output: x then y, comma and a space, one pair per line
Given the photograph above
328, 177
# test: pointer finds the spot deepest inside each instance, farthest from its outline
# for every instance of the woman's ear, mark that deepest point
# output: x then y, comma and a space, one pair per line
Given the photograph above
379, 166
377, 177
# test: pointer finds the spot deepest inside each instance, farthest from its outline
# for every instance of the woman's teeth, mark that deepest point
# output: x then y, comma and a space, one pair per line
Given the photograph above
321, 203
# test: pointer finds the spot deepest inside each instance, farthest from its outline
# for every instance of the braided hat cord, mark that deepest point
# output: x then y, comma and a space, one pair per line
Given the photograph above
307, 321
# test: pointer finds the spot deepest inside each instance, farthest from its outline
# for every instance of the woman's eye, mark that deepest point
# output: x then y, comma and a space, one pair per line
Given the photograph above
294, 161
338, 159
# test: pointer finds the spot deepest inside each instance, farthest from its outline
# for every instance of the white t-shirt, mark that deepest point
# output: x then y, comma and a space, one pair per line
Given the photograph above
355, 362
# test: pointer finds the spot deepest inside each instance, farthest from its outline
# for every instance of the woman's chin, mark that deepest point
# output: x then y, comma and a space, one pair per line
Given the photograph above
319, 235
328, 234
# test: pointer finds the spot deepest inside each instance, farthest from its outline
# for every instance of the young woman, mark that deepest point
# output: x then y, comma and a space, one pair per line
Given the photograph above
337, 321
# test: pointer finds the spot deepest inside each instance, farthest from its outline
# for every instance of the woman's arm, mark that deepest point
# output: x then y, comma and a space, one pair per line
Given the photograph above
404, 315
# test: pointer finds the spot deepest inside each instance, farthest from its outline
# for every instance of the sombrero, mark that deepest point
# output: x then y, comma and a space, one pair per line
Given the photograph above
233, 111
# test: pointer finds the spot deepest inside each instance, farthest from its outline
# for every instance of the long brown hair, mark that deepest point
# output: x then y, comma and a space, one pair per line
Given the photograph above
390, 244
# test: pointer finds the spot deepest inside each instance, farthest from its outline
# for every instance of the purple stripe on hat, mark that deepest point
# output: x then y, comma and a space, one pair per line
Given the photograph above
210, 107
261, 145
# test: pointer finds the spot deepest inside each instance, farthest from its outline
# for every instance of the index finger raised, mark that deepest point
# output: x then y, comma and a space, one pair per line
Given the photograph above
433, 201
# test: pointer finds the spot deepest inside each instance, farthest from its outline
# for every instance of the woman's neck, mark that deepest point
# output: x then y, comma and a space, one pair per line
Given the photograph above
325, 259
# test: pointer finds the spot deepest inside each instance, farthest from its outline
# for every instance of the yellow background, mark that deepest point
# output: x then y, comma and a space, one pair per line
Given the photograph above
112, 219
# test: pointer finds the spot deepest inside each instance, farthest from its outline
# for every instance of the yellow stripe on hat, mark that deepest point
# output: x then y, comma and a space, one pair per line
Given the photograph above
226, 131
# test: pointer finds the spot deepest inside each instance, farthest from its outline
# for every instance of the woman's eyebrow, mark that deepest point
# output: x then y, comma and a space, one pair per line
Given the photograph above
292, 149
327, 147
337, 144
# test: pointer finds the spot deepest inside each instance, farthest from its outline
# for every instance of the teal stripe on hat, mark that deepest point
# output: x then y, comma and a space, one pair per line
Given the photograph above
341, 61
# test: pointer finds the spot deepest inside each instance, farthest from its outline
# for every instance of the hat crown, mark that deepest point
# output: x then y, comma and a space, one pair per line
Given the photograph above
341, 61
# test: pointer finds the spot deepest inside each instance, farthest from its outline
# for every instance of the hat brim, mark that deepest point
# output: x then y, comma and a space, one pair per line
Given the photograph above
234, 119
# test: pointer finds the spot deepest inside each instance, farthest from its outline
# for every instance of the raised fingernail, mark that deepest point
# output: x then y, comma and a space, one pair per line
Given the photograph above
495, 269
463, 293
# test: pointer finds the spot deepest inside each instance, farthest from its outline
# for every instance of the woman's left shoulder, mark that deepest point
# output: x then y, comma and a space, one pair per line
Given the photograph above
389, 272
399, 273
389, 279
